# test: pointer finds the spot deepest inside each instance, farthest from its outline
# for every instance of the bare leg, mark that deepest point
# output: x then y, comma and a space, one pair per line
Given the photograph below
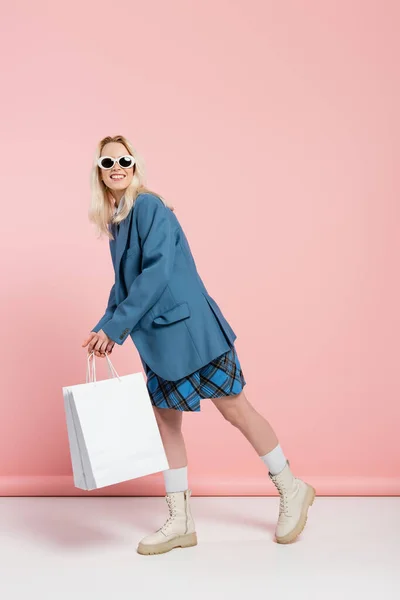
179, 529
170, 424
296, 495
240, 413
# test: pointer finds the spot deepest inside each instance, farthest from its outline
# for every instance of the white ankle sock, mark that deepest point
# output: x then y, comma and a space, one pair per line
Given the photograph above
176, 480
275, 460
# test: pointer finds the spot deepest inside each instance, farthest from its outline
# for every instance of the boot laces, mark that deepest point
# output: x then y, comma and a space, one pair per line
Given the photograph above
283, 502
171, 507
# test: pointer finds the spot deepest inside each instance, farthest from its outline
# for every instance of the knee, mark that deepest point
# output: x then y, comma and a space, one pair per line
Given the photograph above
234, 412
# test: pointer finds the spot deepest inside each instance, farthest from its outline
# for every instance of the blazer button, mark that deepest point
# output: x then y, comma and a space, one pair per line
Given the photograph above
121, 337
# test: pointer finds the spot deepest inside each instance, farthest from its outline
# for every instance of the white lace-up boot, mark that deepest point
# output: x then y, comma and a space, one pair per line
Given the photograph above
296, 496
177, 532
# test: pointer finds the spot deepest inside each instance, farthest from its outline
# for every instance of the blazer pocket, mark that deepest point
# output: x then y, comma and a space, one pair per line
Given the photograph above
177, 313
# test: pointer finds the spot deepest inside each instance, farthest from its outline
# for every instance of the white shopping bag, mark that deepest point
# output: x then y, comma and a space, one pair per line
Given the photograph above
112, 430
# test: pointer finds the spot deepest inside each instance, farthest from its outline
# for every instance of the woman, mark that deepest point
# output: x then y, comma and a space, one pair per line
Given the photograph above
185, 344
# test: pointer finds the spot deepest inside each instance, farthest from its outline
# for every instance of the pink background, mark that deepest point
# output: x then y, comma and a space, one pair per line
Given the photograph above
274, 130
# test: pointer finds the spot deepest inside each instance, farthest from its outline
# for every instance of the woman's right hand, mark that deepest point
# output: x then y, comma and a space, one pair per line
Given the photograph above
102, 354
104, 349
97, 353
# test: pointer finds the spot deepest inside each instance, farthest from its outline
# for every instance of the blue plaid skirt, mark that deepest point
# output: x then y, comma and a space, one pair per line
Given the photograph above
222, 376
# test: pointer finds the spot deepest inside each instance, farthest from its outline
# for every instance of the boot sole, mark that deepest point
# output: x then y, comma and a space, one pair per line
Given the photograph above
183, 541
292, 535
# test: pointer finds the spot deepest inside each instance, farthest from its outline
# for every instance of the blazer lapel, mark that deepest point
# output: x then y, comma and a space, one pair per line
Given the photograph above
121, 240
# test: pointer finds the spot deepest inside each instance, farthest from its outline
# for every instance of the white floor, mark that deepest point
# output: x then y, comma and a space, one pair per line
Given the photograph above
73, 548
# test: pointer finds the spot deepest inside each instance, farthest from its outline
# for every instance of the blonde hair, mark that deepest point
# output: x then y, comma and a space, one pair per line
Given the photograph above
101, 210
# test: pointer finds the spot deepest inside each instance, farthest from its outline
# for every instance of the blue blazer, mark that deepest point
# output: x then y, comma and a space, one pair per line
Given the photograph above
158, 297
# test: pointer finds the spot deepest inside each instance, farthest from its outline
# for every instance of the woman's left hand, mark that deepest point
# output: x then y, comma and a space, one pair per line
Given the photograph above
98, 342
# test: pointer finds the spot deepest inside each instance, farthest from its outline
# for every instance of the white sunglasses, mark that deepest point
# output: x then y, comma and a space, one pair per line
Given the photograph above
107, 162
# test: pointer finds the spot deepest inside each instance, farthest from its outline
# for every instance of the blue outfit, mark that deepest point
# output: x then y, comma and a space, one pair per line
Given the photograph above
160, 301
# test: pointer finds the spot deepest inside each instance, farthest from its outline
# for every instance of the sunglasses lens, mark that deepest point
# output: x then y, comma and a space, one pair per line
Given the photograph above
107, 163
125, 162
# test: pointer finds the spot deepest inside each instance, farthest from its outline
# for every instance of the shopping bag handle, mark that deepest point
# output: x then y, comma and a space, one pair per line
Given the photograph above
111, 368
92, 377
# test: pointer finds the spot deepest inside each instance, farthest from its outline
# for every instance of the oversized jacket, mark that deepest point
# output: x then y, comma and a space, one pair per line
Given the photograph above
158, 297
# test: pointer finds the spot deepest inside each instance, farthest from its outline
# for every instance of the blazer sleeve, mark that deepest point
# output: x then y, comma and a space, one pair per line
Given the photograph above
157, 235
111, 306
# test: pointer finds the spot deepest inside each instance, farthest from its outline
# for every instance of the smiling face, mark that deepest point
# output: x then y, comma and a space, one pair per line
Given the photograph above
117, 178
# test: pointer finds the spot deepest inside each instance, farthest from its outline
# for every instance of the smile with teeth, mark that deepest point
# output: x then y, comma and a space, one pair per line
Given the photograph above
117, 176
